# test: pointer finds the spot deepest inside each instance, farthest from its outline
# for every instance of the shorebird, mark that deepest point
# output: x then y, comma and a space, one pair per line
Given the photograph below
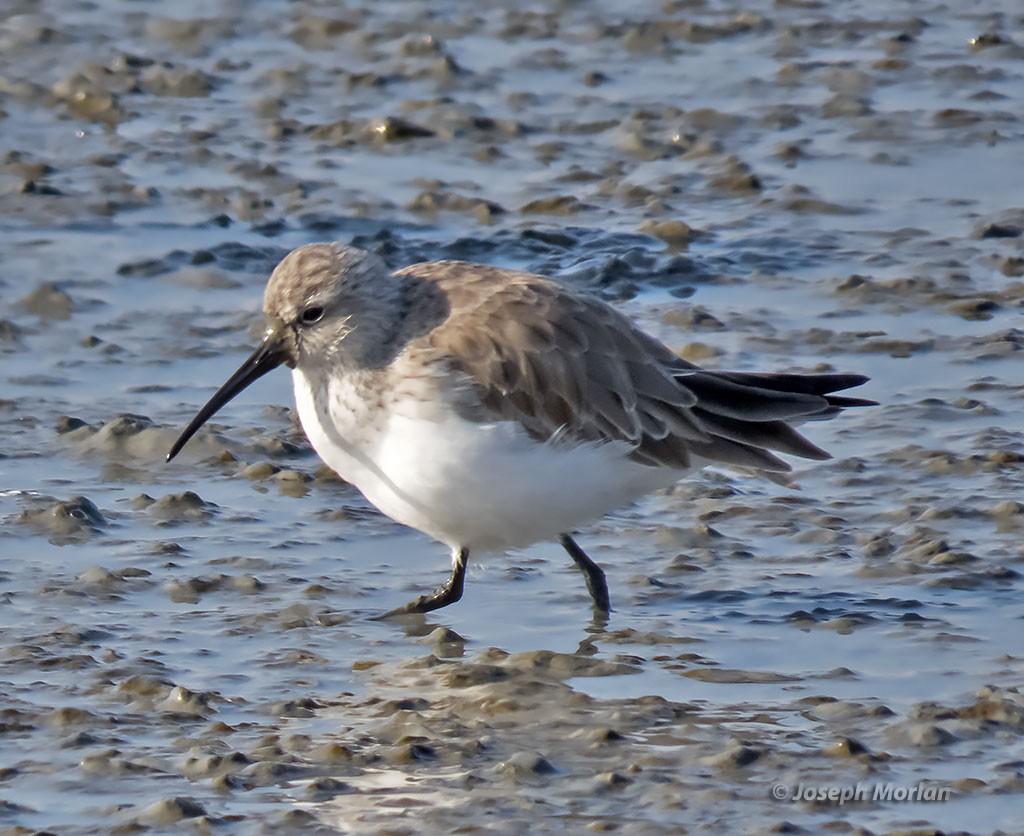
492, 409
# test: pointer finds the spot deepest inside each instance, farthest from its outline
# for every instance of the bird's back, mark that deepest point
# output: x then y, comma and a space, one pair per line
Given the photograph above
566, 365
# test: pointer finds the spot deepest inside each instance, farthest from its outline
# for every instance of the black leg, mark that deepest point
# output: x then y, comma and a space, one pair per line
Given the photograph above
596, 584
444, 595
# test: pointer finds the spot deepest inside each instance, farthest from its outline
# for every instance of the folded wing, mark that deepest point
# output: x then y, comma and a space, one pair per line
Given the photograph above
567, 366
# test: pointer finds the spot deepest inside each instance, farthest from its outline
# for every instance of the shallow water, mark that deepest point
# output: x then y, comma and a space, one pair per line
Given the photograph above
208, 660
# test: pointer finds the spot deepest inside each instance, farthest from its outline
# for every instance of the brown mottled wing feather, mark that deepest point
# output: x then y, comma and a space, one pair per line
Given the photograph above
566, 365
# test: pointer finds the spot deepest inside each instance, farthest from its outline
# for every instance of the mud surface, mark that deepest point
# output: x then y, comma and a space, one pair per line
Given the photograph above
767, 185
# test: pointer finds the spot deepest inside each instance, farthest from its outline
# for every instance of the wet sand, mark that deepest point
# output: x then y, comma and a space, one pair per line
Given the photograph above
789, 186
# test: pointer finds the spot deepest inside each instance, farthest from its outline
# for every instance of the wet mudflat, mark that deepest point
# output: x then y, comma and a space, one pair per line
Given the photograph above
786, 185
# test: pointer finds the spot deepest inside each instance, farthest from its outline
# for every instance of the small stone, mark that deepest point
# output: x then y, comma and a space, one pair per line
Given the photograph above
408, 753
556, 205
67, 423
446, 642
1012, 266
612, 780
846, 747
844, 105
734, 757
524, 764
292, 476
322, 789
259, 471
176, 82
48, 301
394, 129
184, 701
927, 735
170, 811
974, 309
996, 230
674, 233
185, 505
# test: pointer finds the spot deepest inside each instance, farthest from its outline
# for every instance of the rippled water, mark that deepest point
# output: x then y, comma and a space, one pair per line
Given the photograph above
193, 644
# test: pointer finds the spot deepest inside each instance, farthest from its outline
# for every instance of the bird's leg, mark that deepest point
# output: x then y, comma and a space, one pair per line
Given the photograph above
592, 573
448, 593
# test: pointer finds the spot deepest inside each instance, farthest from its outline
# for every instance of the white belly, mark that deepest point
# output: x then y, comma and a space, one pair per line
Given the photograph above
487, 487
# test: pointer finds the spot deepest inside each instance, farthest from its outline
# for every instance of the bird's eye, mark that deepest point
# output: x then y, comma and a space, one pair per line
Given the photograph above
311, 315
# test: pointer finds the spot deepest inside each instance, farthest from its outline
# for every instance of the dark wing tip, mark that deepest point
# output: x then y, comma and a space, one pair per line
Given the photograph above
853, 379
844, 402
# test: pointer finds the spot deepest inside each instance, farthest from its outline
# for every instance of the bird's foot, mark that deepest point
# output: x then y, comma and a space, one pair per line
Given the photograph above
448, 593
440, 597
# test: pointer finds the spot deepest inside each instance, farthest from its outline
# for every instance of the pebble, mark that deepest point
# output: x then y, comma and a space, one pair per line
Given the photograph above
526, 765
49, 302
170, 811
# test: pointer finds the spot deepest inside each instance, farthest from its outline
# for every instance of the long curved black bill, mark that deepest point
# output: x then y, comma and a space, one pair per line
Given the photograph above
266, 358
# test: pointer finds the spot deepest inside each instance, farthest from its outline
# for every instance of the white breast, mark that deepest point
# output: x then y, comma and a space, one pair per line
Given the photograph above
488, 487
